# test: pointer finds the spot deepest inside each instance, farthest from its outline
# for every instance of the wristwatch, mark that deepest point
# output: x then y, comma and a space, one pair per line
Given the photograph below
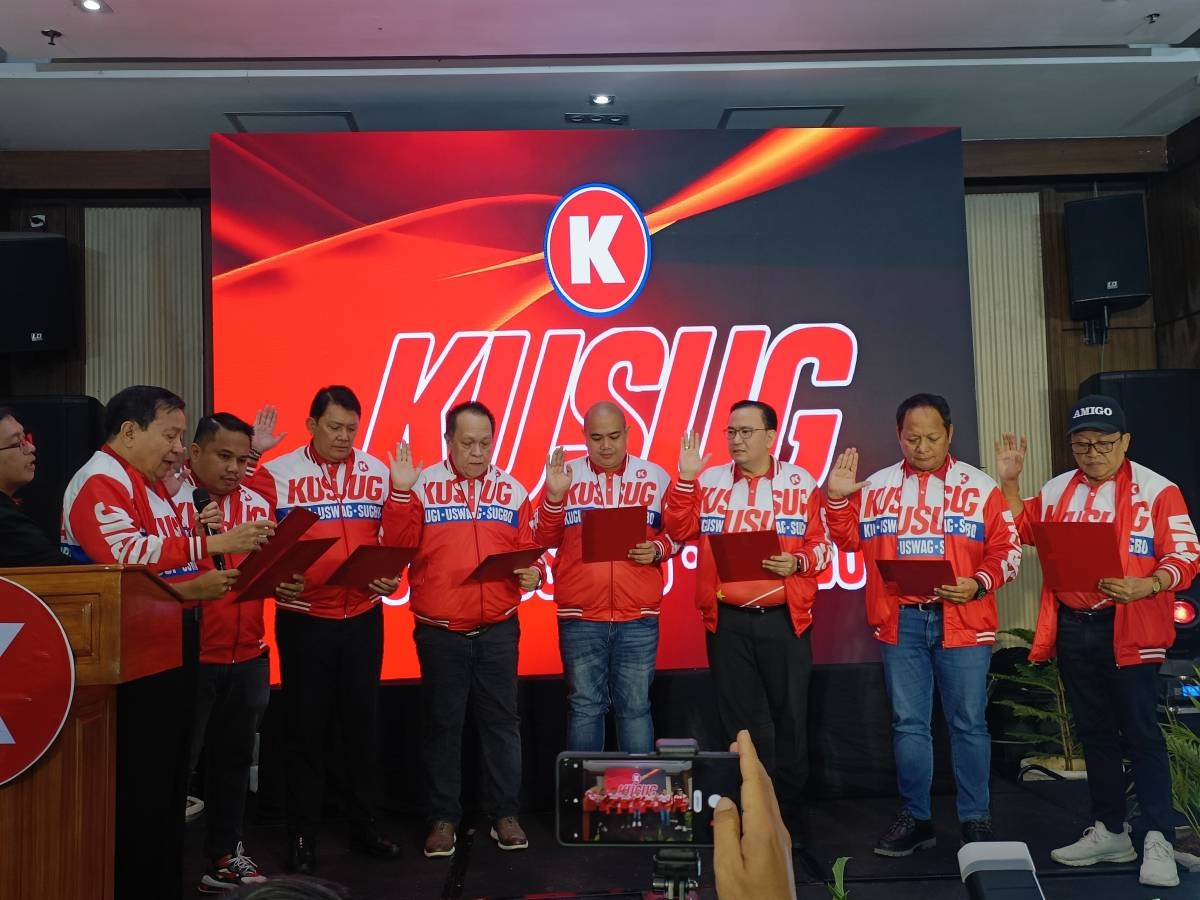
982, 592
1156, 583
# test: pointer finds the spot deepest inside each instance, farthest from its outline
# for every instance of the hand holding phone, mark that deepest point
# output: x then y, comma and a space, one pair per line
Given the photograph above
752, 856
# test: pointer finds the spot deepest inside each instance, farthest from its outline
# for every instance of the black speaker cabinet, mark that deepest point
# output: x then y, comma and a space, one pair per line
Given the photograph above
1108, 262
66, 431
33, 292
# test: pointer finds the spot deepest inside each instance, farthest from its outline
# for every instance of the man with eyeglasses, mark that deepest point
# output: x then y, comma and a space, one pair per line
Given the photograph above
22, 542
1111, 641
930, 506
759, 647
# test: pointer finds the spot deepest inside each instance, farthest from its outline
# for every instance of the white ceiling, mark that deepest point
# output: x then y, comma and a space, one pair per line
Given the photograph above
162, 73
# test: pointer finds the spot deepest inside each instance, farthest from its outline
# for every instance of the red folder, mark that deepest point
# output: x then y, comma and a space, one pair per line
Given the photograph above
916, 577
499, 566
370, 562
296, 558
290, 529
739, 556
609, 534
1076, 555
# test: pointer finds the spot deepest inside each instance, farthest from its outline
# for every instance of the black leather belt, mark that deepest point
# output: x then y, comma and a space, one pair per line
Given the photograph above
1102, 614
755, 610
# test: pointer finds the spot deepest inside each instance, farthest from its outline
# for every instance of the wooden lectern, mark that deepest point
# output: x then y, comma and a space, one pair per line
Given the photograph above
58, 819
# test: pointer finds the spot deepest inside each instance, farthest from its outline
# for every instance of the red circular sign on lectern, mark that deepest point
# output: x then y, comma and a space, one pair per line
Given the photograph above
37, 679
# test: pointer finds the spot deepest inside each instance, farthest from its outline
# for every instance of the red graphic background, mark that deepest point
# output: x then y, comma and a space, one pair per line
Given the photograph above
410, 267
37, 679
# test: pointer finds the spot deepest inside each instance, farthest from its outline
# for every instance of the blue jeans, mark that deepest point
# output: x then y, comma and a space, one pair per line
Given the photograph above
911, 668
609, 665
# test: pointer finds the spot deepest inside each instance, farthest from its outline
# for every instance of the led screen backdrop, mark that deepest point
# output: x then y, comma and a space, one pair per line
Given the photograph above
822, 270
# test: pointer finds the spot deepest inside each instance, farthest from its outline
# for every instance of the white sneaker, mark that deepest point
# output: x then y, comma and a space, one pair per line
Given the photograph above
1098, 844
1158, 861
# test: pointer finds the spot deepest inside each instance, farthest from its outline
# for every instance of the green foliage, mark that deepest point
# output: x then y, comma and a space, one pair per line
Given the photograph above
1043, 702
1183, 752
837, 890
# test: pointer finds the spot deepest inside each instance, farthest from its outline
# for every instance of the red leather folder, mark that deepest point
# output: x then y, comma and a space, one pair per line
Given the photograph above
609, 534
1076, 555
916, 577
499, 566
370, 562
290, 529
739, 556
296, 558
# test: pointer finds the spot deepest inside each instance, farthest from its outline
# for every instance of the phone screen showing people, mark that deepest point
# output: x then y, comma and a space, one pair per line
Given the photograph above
607, 799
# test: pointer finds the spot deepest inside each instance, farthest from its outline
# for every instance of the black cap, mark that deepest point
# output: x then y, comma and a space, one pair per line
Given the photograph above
1096, 412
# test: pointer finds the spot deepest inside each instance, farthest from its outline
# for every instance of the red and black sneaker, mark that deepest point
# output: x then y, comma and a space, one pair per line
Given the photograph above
230, 873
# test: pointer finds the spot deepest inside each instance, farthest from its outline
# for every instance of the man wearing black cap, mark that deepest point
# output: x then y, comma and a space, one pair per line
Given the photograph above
1111, 641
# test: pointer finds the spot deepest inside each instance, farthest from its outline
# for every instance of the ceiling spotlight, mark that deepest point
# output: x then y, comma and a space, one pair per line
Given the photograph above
93, 6
602, 99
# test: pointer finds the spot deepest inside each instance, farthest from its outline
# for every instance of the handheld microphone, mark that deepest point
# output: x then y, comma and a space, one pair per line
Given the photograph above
201, 499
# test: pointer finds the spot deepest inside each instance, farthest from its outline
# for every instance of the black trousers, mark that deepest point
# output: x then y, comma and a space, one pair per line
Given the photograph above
154, 727
1110, 704
230, 701
330, 670
761, 672
479, 670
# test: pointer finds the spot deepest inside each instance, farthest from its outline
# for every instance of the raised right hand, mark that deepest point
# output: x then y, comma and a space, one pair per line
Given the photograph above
404, 473
1010, 456
691, 463
843, 477
265, 437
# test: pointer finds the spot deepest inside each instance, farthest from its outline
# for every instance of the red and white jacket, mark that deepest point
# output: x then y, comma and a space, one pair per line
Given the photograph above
231, 631
349, 499
1150, 510
113, 514
607, 591
456, 523
956, 513
722, 500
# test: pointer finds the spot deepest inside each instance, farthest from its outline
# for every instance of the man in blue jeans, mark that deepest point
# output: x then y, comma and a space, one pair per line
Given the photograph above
608, 611
930, 506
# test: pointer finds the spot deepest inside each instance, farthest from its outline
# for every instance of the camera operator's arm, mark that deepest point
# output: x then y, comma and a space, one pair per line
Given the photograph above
752, 853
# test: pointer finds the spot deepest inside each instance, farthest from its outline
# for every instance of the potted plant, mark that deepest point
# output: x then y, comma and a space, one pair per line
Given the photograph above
1183, 752
1043, 718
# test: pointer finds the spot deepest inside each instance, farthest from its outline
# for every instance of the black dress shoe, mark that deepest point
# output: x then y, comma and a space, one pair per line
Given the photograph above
905, 835
375, 844
302, 856
978, 830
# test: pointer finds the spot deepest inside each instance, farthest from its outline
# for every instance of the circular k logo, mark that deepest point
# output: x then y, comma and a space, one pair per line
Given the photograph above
37, 679
597, 249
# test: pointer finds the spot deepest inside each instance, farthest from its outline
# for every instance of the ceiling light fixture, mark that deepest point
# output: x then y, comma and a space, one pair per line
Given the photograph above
93, 6
602, 99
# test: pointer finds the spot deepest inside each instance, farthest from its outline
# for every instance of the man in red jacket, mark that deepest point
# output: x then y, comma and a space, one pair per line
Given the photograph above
458, 512
1111, 641
608, 611
234, 677
117, 509
759, 644
930, 506
330, 638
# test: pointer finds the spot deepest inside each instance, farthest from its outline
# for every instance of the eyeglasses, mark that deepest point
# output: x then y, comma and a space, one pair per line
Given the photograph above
24, 441
1082, 448
744, 433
